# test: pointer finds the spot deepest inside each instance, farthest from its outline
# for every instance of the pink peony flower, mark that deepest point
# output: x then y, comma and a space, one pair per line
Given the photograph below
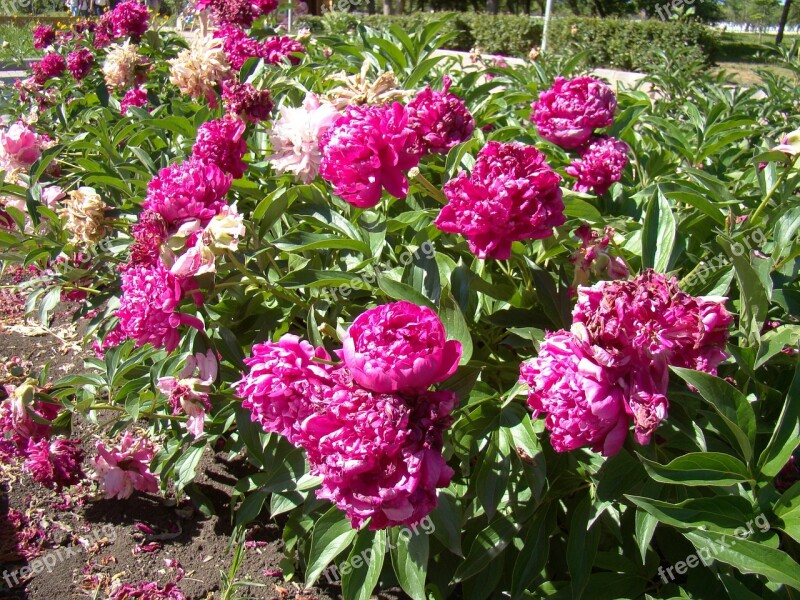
51, 195
113, 338
188, 393
379, 454
512, 195
133, 97
230, 12
600, 165
221, 142
55, 463
278, 49
43, 36
80, 63
440, 119
296, 135
198, 259
367, 150
284, 384
20, 147
244, 101
574, 384
51, 65
17, 414
148, 307
190, 190
124, 468
128, 19
568, 113
399, 347
238, 46
149, 233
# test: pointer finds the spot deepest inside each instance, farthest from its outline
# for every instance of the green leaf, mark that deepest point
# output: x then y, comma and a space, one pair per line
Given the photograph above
300, 241
447, 520
581, 547
720, 513
487, 546
400, 291
773, 342
644, 528
747, 556
658, 233
332, 534
535, 550
491, 477
699, 468
754, 299
410, 560
456, 326
785, 436
364, 564
787, 509
729, 403
248, 511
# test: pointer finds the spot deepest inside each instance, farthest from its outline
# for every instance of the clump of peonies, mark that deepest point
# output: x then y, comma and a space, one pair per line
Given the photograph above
284, 384
20, 147
440, 119
511, 195
17, 425
593, 258
568, 113
198, 69
124, 468
368, 149
84, 212
600, 165
148, 307
379, 454
399, 347
221, 142
51, 65
296, 135
612, 367
128, 19
43, 36
55, 463
188, 393
79, 63
124, 66
246, 102
133, 97
188, 192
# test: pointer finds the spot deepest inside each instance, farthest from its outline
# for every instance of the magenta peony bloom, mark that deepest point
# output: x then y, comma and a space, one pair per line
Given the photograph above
20, 147
113, 338
600, 165
43, 36
221, 142
512, 195
133, 97
367, 150
51, 65
788, 475
379, 454
80, 63
574, 384
280, 48
128, 19
244, 101
55, 463
440, 119
399, 347
148, 307
296, 135
284, 385
568, 113
241, 13
188, 393
149, 233
649, 315
123, 469
186, 191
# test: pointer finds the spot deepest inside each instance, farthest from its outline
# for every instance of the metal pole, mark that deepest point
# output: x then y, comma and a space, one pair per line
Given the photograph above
547, 10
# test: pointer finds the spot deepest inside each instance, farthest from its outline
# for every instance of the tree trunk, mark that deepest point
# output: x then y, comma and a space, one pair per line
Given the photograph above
491, 6
784, 17
387, 7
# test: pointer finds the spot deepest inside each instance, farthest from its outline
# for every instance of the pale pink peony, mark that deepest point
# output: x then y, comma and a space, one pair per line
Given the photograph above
284, 384
124, 468
368, 149
198, 259
379, 454
512, 195
295, 137
568, 113
51, 195
188, 393
600, 165
20, 147
440, 119
574, 384
55, 463
187, 191
148, 307
399, 347
221, 142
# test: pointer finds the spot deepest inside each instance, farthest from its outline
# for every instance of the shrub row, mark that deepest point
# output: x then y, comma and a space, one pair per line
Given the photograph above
617, 43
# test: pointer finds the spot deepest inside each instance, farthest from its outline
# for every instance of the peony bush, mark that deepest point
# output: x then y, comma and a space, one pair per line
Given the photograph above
554, 320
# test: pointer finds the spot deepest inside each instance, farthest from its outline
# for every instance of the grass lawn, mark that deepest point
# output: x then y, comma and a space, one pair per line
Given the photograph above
17, 43
743, 54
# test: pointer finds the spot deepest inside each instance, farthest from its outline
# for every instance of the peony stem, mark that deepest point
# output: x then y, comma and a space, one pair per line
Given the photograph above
434, 192
774, 189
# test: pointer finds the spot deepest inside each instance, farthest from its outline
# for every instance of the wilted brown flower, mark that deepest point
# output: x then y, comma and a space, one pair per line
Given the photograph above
121, 65
85, 215
534, 54
199, 68
358, 89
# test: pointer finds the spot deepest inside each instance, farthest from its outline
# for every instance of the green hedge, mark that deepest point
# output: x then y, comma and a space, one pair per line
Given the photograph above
617, 43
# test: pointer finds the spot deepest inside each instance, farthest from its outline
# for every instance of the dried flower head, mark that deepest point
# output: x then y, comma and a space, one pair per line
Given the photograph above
357, 89
85, 214
198, 69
